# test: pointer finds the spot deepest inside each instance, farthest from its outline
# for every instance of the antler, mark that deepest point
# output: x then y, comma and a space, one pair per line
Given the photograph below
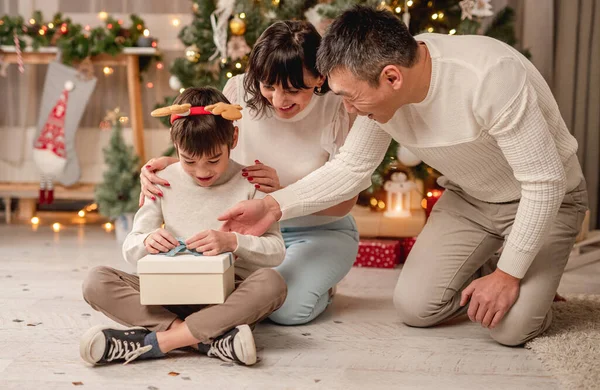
174, 109
227, 111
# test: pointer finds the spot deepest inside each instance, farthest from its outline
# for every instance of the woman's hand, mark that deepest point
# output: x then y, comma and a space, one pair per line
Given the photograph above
160, 241
264, 178
212, 242
148, 177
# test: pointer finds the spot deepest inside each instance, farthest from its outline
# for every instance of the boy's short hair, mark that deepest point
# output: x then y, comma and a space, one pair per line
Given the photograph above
202, 135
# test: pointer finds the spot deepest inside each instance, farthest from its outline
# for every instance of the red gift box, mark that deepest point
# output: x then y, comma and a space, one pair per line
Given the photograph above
378, 253
406, 245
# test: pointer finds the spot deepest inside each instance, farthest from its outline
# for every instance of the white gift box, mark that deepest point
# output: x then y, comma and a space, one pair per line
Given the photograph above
185, 279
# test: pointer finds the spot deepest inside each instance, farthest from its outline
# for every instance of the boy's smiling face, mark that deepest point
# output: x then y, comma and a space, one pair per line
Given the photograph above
207, 169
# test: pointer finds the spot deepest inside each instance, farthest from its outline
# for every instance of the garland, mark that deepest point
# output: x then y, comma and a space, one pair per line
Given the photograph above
75, 41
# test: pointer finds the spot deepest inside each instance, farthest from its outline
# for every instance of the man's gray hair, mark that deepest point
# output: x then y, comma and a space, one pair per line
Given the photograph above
364, 40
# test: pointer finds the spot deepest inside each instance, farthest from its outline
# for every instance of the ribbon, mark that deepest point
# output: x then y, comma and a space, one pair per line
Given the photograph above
181, 248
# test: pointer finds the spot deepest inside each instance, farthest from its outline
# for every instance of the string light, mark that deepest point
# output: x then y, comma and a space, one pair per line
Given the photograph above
63, 28
373, 202
35, 221
452, 32
224, 60
102, 15
110, 26
125, 119
159, 66
139, 26
81, 213
381, 204
242, 15
154, 44
409, 3
424, 203
108, 70
238, 65
181, 90
276, 2
32, 21
108, 226
434, 16
150, 85
146, 33
229, 75
87, 27
398, 10
429, 194
120, 21
441, 15
41, 32
175, 22
56, 227
51, 25
430, 29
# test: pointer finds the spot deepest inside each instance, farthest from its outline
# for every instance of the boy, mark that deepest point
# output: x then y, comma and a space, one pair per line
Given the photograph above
204, 182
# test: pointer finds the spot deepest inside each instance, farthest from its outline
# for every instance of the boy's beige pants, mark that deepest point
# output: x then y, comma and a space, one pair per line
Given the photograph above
454, 248
117, 294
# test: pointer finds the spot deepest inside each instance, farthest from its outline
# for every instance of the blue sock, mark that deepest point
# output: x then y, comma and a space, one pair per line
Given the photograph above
155, 352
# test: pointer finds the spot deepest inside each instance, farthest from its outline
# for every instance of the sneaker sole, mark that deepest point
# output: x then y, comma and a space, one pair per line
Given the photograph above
88, 336
247, 345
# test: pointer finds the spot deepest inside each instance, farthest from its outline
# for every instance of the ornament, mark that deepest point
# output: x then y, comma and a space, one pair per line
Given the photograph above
192, 53
237, 48
174, 83
398, 195
467, 7
237, 26
482, 9
195, 7
407, 158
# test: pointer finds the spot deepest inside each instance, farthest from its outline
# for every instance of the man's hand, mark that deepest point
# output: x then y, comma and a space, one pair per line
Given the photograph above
491, 297
252, 217
212, 242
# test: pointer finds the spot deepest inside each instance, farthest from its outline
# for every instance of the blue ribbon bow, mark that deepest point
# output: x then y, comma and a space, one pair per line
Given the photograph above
181, 248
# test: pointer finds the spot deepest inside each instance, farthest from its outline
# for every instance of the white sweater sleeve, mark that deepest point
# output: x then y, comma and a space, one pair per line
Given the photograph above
267, 250
148, 219
341, 178
522, 134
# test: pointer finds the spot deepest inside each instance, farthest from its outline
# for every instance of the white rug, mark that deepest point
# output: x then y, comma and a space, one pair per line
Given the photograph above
570, 348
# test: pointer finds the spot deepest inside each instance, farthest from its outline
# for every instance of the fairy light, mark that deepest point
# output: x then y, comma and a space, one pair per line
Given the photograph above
32, 21
181, 90
276, 2
381, 204
175, 22
238, 65
56, 227
159, 66
242, 16
409, 3
35, 221
223, 60
139, 26
81, 213
373, 202
41, 31
434, 16
150, 85
51, 25
229, 75
108, 226
146, 33
430, 29
125, 119
452, 32
63, 28
441, 15
110, 26
398, 10
108, 70
154, 44
103, 15
120, 21
87, 27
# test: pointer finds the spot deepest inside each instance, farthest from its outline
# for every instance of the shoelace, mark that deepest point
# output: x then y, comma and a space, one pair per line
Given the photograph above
222, 349
120, 350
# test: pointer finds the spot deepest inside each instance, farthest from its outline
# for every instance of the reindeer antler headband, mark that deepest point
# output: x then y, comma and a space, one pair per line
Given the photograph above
231, 112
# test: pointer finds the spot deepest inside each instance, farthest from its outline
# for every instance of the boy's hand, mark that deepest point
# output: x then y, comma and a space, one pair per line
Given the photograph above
212, 242
160, 241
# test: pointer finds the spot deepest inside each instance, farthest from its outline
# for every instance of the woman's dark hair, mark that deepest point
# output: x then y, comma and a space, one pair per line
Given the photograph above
202, 135
279, 56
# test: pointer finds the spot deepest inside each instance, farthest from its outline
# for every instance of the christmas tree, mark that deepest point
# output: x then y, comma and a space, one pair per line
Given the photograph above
120, 190
219, 40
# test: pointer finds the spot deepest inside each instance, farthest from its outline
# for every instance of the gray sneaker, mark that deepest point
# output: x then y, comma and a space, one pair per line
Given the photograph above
102, 344
237, 346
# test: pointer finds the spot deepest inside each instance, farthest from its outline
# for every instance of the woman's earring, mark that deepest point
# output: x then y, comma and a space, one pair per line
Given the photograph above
318, 89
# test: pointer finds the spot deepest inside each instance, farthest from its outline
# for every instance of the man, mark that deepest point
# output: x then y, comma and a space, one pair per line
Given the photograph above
481, 114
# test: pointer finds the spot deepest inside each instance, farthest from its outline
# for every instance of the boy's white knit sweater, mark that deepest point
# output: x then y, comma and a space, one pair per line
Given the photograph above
188, 208
489, 123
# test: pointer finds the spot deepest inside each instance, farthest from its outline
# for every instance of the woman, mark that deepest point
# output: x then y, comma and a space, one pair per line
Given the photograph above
291, 127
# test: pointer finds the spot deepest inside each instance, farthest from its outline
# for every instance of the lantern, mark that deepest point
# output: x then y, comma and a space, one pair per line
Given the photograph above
398, 195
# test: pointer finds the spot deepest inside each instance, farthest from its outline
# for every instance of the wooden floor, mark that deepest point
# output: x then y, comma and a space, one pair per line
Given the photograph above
358, 343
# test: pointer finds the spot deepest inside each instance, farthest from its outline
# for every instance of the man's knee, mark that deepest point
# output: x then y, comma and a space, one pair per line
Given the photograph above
516, 330
94, 284
414, 309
